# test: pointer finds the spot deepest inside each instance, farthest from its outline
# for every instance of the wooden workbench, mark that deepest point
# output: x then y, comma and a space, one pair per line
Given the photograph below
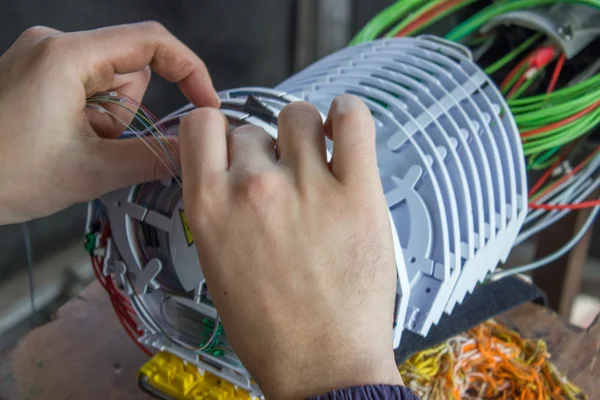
85, 354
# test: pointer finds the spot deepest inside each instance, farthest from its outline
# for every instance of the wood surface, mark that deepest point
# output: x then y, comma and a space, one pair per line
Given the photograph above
574, 351
85, 354
561, 279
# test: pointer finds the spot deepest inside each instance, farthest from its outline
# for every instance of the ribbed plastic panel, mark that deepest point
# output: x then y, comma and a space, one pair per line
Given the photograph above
449, 154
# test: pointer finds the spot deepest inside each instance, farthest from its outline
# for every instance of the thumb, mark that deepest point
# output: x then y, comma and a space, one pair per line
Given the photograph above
118, 163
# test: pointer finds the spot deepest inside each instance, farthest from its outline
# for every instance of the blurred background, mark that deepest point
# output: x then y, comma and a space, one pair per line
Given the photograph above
243, 43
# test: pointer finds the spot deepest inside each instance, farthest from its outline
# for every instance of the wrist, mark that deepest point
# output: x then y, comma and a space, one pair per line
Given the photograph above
326, 371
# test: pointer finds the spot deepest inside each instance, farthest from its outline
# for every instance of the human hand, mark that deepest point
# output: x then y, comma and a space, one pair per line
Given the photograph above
297, 252
53, 151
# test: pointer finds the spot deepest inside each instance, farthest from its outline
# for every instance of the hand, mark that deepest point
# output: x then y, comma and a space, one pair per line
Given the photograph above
297, 253
53, 151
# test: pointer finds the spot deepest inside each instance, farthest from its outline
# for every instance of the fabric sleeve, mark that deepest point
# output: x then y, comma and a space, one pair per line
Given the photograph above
370, 392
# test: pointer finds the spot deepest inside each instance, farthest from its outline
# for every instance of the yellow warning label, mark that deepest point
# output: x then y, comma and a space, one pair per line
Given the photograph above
186, 229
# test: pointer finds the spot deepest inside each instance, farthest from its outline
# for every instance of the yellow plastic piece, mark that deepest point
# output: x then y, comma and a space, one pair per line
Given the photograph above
186, 229
180, 380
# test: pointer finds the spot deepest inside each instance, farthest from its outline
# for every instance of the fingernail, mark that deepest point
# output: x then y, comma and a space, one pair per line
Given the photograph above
345, 101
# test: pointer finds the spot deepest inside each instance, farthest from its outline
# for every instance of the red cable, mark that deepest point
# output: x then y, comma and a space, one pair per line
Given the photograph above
120, 307
131, 335
426, 16
542, 57
544, 177
123, 306
537, 58
563, 122
556, 73
99, 276
118, 300
549, 171
517, 85
119, 310
128, 324
573, 206
570, 174
514, 71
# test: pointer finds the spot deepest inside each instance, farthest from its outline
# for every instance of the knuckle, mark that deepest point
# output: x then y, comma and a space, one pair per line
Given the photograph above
203, 205
154, 26
53, 44
197, 218
244, 131
260, 190
212, 183
355, 115
34, 32
208, 193
302, 108
184, 66
195, 117
239, 132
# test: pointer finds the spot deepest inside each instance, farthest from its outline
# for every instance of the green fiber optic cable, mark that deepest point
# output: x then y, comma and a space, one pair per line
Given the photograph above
545, 165
565, 131
533, 161
529, 121
385, 18
548, 154
546, 104
527, 83
549, 102
431, 21
413, 16
530, 112
514, 79
556, 130
574, 133
593, 81
560, 131
493, 10
511, 55
443, 15
558, 112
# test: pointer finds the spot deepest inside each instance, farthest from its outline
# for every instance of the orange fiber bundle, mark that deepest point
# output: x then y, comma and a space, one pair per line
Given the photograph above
487, 362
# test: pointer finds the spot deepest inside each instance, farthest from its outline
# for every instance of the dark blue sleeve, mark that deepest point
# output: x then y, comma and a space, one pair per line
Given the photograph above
370, 392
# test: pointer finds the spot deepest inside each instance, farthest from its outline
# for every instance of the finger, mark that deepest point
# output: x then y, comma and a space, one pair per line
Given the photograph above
203, 145
37, 33
128, 48
251, 149
352, 129
133, 86
301, 140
